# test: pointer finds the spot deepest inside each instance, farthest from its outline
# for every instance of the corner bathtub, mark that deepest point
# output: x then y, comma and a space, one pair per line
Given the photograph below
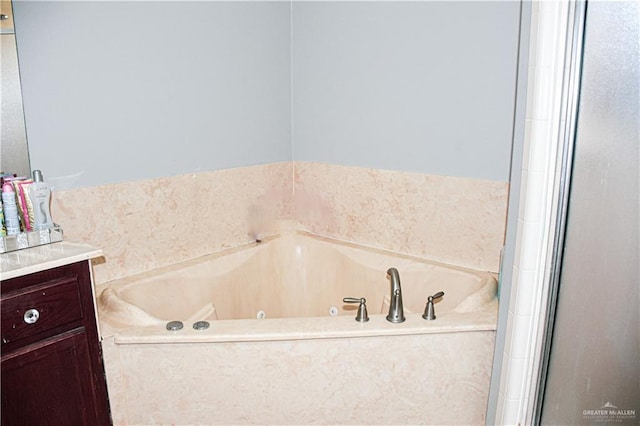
282, 348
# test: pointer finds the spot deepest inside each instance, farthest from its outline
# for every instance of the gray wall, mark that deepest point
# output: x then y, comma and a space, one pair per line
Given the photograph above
118, 91
416, 86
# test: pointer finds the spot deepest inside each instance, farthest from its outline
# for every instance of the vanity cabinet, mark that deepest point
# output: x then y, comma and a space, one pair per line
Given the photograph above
52, 371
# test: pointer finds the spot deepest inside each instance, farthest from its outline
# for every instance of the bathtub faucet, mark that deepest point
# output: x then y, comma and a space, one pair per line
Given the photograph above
396, 311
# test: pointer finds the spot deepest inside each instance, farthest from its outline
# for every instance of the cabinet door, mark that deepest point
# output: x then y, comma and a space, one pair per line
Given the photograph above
50, 382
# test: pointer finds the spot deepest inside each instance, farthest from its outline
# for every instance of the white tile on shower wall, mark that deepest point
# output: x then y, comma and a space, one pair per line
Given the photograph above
515, 377
511, 381
543, 88
529, 245
528, 128
549, 24
531, 96
521, 340
546, 33
539, 147
523, 291
535, 204
529, 239
511, 410
524, 177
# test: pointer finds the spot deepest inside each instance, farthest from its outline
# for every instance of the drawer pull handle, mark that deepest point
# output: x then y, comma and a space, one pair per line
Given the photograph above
31, 316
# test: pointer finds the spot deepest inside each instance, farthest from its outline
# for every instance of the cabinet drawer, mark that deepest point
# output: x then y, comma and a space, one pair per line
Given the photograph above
39, 308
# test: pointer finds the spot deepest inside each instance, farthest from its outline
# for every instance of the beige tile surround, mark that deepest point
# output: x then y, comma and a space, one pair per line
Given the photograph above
357, 381
454, 220
147, 224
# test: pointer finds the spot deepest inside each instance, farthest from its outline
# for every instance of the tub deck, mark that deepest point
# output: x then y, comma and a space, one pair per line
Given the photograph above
277, 329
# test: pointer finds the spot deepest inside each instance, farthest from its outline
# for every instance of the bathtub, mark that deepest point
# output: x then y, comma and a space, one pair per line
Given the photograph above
281, 346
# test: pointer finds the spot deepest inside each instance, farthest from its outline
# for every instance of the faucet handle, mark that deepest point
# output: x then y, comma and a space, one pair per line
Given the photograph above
429, 310
361, 315
437, 295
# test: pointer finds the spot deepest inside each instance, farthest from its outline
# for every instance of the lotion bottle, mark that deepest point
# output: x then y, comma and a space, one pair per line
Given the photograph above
40, 195
11, 220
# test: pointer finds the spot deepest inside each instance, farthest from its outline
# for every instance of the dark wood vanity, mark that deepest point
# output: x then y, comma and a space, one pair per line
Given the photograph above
52, 369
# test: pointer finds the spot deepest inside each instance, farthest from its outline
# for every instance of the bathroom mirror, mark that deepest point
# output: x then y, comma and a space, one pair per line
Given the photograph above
14, 151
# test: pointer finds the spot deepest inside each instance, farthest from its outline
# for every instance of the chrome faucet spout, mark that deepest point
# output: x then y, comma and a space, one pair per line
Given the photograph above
396, 311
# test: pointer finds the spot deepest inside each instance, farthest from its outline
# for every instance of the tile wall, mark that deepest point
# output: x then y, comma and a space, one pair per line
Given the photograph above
147, 224
453, 220
549, 29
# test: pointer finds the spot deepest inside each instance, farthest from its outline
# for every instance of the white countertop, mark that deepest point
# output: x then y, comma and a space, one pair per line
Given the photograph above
36, 259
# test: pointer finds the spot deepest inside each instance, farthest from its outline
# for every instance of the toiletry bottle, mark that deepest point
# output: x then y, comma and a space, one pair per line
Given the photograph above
11, 220
3, 230
40, 195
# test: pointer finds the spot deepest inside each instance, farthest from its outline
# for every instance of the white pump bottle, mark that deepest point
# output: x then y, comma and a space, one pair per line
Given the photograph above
40, 195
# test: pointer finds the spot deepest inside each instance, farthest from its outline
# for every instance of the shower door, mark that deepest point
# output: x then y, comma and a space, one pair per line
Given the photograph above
593, 371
